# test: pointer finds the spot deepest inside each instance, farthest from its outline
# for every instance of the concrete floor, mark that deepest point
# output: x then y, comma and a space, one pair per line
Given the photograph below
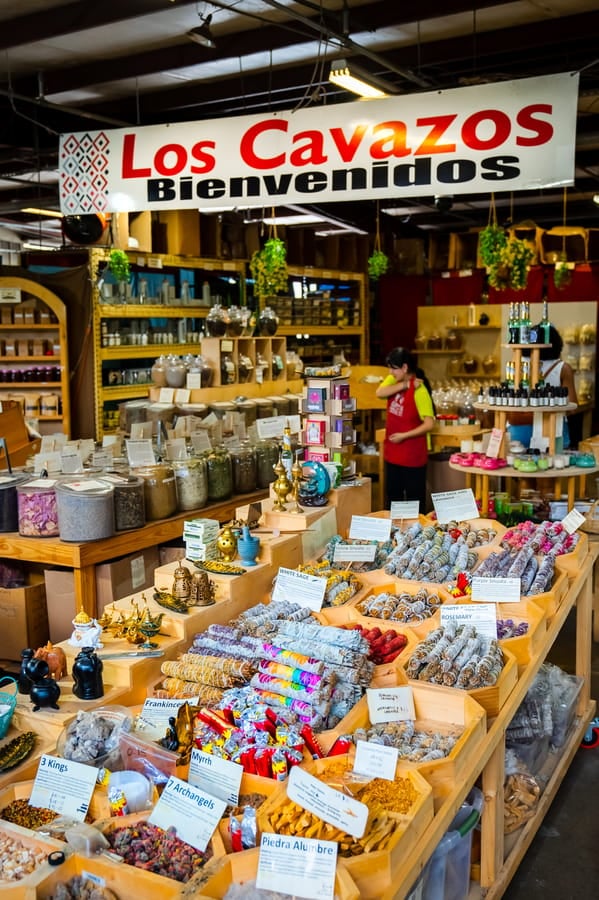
563, 860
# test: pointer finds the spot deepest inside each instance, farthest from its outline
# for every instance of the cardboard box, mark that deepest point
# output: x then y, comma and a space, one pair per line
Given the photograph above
125, 576
24, 617
60, 600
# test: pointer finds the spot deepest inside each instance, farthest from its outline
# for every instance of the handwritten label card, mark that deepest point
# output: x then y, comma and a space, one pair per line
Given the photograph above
375, 760
572, 521
219, 777
370, 528
325, 802
482, 615
496, 590
140, 453
393, 704
404, 509
354, 553
307, 590
141, 431
156, 712
458, 505
64, 786
305, 863
192, 812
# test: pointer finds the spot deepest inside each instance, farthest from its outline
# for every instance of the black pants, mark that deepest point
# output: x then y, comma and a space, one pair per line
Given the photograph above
405, 483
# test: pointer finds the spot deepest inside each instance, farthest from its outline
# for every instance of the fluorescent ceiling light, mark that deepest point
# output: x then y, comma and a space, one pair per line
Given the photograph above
346, 74
296, 219
29, 245
36, 211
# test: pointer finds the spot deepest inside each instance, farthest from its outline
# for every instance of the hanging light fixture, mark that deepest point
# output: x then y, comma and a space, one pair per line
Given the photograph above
348, 75
202, 35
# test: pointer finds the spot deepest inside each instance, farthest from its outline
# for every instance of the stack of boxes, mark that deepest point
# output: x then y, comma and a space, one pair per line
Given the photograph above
327, 423
200, 536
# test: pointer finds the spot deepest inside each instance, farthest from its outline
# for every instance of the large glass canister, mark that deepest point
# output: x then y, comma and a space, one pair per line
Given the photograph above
37, 508
267, 456
191, 480
85, 509
216, 322
160, 491
9, 514
249, 410
220, 474
129, 501
243, 459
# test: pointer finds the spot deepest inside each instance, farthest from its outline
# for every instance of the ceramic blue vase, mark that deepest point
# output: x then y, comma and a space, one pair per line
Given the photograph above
248, 547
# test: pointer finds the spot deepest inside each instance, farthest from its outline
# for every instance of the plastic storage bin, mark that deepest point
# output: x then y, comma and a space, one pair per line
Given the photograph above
447, 874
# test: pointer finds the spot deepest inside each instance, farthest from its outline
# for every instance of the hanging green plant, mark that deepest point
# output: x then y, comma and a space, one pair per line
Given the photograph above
510, 269
119, 266
491, 241
269, 268
562, 274
378, 263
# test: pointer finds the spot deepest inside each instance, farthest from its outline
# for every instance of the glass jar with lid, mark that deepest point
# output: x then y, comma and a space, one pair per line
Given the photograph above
268, 322
191, 480
9, 518
85, 509
176, 372
234, 322
129, 502
160, 492
216, 323
228, 370
37, 508
267, 456
158, 371
243, 459
220, 474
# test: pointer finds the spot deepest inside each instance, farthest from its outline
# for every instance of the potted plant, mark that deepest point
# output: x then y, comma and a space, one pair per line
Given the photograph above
378, 262
120, 268
562, 274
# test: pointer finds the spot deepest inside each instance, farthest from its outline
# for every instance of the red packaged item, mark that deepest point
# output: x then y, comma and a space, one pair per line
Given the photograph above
247, 758
293, 757
279, 765
235, 835
312, 744
263, 758
342, 745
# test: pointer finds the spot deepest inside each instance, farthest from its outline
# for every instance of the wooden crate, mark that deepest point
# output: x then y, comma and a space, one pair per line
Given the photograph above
24, 888
398, 586
525, 647
161, 882
241, 867
125, 881
250, 784
372, 872
98, 807
437, 709
45, 743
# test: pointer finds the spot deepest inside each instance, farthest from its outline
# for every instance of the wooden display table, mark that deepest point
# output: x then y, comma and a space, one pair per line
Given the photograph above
573, 477
83, 557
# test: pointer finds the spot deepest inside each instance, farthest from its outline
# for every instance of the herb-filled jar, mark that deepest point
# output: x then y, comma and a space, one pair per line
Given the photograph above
160, 491
216, 323
9, 515
129, 502
265, 408
85, 509
267, 456
191, 480
37, 509
220, 474
243, 459
249, 410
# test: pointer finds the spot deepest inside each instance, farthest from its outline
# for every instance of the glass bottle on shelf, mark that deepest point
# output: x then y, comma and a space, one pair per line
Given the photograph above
545, 324
216, 325
287, 452
524, 322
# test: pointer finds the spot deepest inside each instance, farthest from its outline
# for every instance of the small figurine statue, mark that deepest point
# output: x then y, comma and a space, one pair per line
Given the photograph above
226, 543
170, 741
44, 690
87, 631
24, 681
87, 675
181, 589
202, 590
281, 486
56, 659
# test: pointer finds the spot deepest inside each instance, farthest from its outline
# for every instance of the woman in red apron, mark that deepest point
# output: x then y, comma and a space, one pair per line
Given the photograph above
410, 416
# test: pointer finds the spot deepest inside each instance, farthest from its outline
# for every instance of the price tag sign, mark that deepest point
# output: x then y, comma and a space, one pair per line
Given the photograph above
190, 810
572, 521
494, 442
91, 485
271, 427
375, 760
50, 462
482, 615
200, 441
305, 863
325, 802
102, 458
155, 713
71, 463
307, 590
166, 395
219, 777
370, 528
140, 453
459, 505
354, 552
64, 786
404, 509
393, 704
176, 448
182, 395
496, 590
141, 431
194, 381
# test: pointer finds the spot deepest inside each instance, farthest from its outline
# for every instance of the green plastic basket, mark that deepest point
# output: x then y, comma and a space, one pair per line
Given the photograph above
8, 703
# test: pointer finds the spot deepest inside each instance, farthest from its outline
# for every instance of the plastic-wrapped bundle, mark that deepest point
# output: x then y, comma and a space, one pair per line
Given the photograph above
325, 634
211, 670
544, 576
528, 576
290, 658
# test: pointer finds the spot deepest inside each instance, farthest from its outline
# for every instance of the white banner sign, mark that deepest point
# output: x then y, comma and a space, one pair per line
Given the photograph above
511, 135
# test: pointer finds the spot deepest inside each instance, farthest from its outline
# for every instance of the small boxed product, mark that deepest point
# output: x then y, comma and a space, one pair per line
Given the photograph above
6, 315
315, 399
320, 456
315, 431
23, 347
